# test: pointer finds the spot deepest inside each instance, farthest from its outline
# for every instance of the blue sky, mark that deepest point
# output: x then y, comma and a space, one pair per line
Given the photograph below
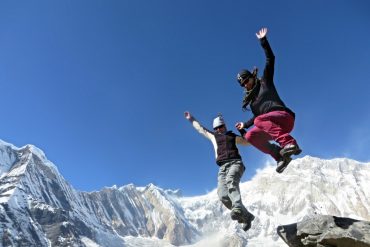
101, 86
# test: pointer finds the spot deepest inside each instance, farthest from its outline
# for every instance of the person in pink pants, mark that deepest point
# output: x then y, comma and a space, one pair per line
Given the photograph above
272, 119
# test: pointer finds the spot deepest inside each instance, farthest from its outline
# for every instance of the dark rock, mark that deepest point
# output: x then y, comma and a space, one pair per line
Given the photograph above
325, 231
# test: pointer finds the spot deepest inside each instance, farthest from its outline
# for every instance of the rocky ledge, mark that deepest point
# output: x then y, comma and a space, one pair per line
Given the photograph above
326, 231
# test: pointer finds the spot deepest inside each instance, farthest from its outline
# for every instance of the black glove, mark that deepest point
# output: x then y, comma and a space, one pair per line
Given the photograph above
242, 132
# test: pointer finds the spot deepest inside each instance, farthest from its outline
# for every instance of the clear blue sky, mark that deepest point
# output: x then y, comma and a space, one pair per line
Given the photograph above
101, 86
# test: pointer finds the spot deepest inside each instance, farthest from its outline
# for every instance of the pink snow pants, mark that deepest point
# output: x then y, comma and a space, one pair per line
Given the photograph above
275, 125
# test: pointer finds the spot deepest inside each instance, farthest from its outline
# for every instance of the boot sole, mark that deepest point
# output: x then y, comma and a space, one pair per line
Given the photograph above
281, 168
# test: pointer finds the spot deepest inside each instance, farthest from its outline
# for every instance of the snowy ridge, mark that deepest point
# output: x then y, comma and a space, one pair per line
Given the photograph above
35, 196
39, 208
7, 156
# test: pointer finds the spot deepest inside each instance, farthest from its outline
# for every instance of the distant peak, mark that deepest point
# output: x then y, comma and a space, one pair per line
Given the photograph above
35, 150
177, 192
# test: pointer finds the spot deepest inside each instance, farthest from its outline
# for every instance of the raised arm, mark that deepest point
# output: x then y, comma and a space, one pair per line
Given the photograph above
240, 140
268, 72
246, 125
202, 130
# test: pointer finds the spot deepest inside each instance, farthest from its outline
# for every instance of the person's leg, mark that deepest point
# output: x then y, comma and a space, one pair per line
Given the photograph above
234, 174
222, 190
278, 124
235, 170
261, 140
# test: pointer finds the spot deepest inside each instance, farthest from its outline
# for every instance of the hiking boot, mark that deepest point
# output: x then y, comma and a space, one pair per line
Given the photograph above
275, 150
282, 164
290, 149
237, 214
247, 224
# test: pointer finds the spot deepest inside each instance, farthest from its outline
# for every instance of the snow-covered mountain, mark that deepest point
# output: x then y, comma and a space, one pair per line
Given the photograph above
39, 208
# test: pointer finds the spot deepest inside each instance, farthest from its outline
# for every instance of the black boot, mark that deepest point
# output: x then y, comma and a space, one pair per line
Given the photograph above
285, 153
290, 149
275, 149
247, 224
236, 214
282, 164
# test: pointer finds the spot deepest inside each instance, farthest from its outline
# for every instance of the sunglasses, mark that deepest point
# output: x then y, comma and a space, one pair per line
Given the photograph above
244, 81
218, 127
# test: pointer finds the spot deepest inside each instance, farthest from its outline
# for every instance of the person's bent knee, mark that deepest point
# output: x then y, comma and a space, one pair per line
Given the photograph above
232, 185
225, 200
248, 136
251, 136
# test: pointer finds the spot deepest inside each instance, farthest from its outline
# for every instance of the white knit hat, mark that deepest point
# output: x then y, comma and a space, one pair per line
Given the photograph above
218, 121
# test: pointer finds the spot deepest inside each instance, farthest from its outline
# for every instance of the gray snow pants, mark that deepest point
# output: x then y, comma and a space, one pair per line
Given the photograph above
228, 191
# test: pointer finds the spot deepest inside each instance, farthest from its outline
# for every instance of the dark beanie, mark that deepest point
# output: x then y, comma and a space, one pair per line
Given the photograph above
242, 75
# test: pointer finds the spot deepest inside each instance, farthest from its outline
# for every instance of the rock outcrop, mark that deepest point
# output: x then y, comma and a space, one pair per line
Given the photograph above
326, 231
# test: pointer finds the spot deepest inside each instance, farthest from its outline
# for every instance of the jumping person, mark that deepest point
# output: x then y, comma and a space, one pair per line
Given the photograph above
231, 167
272, 120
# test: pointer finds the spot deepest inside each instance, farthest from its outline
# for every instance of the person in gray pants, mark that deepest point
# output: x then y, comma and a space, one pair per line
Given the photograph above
231, 167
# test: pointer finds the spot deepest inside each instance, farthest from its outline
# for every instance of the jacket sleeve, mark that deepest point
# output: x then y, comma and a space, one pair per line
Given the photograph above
241, 141
205, 132
268, 73
202, 130
249, 123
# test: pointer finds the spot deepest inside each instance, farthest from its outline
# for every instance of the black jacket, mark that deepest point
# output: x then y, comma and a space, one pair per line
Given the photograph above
267, 99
